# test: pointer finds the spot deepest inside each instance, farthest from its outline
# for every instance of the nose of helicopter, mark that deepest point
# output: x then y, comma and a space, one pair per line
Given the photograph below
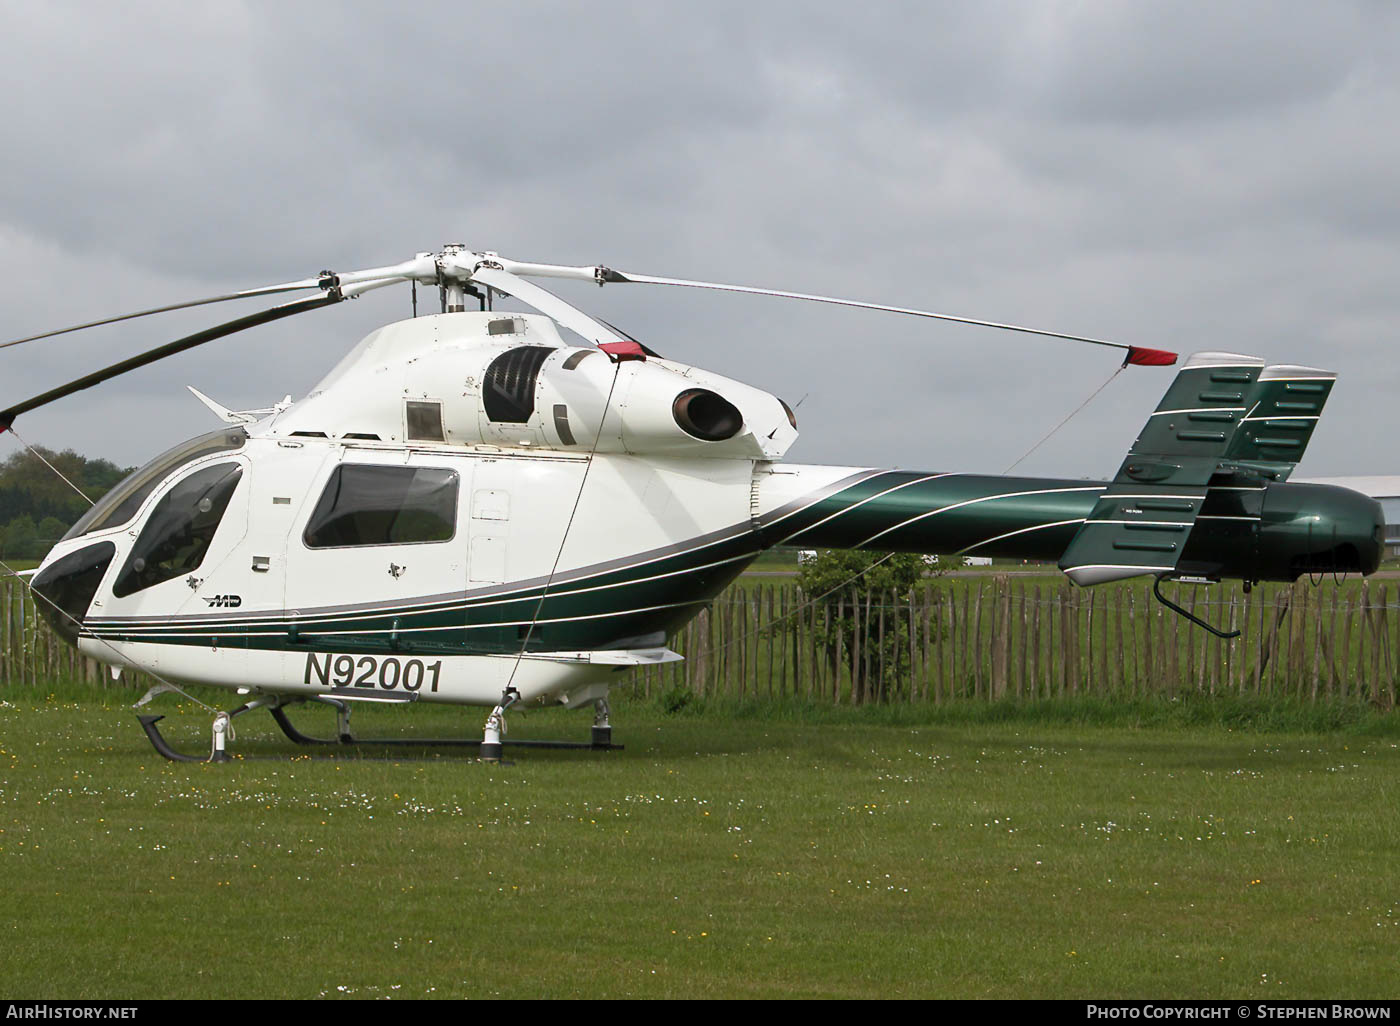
65, 588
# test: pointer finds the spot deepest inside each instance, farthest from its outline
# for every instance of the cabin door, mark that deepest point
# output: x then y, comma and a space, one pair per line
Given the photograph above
380, 552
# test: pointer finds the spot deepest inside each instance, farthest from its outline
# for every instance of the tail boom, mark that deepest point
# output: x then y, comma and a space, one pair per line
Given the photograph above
1274, 532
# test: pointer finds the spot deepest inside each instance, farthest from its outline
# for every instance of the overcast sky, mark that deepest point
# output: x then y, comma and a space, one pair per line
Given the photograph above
1181, 176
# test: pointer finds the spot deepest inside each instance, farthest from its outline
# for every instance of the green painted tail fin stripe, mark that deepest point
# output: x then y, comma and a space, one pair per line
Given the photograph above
1141, 522
1284, 407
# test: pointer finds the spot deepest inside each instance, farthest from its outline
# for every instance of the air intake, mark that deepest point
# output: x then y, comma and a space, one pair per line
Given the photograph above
508, 394
707, 415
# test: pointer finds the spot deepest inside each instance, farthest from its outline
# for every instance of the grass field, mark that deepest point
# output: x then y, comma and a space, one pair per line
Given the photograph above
1058, 851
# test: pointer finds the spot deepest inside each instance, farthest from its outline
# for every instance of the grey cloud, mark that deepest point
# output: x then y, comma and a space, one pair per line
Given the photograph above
1175, 175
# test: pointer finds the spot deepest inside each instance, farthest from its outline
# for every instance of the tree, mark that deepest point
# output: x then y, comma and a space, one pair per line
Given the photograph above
874, 648
31, 491
51, 529
21, 538
28, 487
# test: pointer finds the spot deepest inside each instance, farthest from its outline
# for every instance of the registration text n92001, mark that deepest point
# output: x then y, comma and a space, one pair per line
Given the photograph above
388, 672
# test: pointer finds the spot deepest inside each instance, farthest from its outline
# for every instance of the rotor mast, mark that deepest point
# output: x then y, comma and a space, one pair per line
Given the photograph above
454, 286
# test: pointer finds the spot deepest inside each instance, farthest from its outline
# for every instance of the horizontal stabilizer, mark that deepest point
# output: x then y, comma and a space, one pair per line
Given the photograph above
1141, 522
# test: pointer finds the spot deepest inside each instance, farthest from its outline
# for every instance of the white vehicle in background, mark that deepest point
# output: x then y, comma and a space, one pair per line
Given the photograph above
806, 557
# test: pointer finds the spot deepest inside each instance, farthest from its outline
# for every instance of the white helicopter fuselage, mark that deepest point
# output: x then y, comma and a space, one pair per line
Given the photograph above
466, 505
469, 510
592, 498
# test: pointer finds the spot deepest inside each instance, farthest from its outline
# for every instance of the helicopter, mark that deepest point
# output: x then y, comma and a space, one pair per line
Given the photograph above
471, 509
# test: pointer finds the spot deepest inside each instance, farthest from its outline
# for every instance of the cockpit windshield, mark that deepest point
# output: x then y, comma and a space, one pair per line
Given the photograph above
122, 502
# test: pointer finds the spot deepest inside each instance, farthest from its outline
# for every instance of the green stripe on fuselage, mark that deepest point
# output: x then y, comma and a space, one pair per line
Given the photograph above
947, 514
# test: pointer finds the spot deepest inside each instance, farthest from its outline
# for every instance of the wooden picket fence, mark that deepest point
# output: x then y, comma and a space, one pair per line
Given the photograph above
1033, 637
31, 654
987, 638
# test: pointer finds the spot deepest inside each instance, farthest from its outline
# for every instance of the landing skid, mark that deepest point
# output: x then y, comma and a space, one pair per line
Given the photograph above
284, 721
148, 724
601, 741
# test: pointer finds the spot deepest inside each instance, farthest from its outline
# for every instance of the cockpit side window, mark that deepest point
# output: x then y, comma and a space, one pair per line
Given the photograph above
369, 505
179, 530
122, 502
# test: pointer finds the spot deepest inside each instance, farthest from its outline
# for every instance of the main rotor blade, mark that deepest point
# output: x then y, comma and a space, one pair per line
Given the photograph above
548, 303
276, 313
1135, 354
422, 268
267, 290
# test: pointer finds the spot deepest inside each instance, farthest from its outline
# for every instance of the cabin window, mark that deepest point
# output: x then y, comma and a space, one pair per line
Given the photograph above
425, 422
179, 530
369, 505
122, 502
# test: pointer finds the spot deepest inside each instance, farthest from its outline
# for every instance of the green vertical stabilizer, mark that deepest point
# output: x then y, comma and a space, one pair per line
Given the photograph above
1141, 522
1284, 407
